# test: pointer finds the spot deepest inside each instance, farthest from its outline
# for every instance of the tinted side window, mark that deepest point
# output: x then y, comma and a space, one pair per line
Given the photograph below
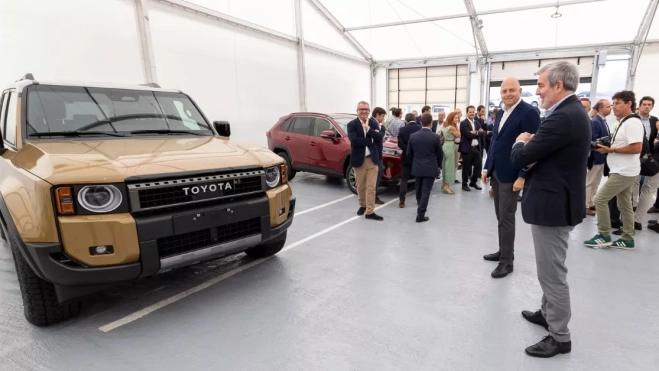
3, 111
322, 125
287, 126
303, 125
10, 126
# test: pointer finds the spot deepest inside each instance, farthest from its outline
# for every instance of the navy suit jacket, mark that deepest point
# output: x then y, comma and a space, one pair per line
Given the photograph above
466, 136
555, 188
523, 119
378, 144
359, 142
425, 149
404, 139
600, 129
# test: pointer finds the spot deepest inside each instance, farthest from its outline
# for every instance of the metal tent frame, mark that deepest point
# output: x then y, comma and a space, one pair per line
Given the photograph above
481, 55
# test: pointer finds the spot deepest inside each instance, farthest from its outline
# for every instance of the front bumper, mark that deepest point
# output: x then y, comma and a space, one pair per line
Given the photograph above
156, 229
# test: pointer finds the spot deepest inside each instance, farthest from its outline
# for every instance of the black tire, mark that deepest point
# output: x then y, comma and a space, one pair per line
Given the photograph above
290, 173
40, 304
267, 249
351, 181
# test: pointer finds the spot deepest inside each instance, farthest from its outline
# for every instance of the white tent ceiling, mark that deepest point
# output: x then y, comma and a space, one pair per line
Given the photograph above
417, 30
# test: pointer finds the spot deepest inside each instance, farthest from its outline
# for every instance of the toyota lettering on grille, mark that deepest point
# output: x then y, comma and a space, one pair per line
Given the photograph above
213, 188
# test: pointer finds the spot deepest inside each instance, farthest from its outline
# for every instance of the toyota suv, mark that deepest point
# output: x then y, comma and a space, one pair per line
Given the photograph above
318, 143
103, 184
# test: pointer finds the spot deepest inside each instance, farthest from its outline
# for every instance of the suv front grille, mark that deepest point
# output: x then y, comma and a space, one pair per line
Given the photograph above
186, 242
166, 193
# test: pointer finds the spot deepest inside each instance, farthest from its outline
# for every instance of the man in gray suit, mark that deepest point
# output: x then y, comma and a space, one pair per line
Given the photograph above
554, 196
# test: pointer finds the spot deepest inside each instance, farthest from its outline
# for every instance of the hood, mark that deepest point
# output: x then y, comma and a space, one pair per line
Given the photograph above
113, 160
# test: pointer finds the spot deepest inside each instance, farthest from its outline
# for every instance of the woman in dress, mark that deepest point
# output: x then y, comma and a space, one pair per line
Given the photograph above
449, 133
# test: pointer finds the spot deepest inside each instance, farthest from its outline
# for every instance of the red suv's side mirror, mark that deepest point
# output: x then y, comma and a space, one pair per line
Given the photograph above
328, 134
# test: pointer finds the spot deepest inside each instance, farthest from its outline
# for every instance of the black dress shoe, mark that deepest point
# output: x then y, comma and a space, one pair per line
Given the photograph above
475, 186
421, 219
361, 211
536, 318
650, 222
457, 181
654, 227
494, 257
374, 216
465, 188
548, 347
502, 270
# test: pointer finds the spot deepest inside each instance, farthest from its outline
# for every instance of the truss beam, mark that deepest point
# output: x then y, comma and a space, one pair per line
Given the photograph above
466, 15
640, 41
146, 45
301, 68
476, 27
340, 29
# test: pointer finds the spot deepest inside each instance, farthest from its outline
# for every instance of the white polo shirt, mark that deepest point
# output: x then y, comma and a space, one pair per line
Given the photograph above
629, 132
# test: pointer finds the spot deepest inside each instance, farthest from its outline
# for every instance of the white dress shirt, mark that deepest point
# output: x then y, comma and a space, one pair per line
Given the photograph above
474, 142
507, 112
368, 151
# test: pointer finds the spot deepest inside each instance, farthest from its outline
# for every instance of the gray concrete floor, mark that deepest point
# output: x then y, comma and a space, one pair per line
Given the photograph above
392, 295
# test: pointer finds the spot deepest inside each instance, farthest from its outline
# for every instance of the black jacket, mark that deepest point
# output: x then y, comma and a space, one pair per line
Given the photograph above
555, 189
425, 149
359, 142
404, 139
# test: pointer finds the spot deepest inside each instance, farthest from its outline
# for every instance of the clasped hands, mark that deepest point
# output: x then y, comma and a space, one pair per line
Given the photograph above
517, 186
525, 137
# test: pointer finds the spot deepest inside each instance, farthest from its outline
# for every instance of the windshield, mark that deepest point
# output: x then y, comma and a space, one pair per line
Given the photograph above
343, 122
100, 110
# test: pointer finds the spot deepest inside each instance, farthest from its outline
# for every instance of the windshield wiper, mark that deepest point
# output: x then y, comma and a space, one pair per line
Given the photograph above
164, 131
74, 133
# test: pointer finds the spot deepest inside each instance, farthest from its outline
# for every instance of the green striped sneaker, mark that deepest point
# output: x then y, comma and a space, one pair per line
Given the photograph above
624, 244
599, 241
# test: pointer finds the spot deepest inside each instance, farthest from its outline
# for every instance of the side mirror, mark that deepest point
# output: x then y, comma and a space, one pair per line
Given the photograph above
223, 128
328, 134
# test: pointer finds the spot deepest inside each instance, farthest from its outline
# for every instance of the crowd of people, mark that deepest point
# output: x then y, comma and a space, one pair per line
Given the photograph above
553, 164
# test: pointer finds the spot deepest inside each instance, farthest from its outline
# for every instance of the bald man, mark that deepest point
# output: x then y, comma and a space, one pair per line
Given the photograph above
515, 118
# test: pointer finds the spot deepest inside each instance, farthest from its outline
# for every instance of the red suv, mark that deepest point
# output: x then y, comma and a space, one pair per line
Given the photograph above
318, 143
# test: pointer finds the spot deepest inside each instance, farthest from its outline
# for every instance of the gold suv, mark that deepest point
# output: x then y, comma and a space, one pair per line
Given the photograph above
102, 184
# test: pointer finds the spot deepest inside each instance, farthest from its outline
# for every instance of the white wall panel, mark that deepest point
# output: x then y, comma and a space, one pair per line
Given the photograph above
243, 78
70, 40
526, 70
381, 88
412, 88
647, 78
335, 84
475, 89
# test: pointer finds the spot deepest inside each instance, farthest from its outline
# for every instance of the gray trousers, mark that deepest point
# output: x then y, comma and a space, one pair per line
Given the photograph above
550, 252
505, 206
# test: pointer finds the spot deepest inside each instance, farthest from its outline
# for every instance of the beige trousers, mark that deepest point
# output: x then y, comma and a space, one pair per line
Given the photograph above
366, 177
593, 179
620, 187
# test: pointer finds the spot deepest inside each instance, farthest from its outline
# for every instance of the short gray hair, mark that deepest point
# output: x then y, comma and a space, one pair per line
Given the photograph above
562, 71
363, 102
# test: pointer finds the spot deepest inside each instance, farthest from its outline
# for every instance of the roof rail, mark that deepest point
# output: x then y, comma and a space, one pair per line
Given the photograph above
27, 76
151, 84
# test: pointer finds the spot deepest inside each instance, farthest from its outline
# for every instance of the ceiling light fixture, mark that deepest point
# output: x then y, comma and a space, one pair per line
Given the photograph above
556, 14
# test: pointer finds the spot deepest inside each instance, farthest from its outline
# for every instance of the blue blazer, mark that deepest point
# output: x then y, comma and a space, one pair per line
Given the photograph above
600, 129
404, 139
425, 150
523, 119
359, 142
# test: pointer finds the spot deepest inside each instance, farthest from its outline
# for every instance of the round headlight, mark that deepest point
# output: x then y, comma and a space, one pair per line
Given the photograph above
99, 199
272, 176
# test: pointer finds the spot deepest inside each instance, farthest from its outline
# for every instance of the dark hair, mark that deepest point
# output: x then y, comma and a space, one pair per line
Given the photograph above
468, 107
599, 105
646, 98
494, 111
392, 109
409, 117
425, 109
426, 119
379, 111
397, 112
626, 96
480, 107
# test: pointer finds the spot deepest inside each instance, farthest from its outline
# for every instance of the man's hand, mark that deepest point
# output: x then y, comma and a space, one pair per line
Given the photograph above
473, 132
524, 137
484, 177
518, 185
603, 149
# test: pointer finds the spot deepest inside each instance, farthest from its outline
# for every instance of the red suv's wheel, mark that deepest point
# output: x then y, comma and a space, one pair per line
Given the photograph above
290, 173
351, 180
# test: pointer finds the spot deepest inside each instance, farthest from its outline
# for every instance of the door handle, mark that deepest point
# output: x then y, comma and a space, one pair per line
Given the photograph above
287, 138
313, 144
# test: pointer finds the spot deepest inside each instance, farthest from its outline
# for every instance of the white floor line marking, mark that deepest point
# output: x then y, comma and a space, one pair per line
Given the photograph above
152, 308
323, 205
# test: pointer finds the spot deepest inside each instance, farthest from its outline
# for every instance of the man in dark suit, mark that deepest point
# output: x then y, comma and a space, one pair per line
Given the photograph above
425, 149
554, 196
596, 160
403, 139
515, 118
378, 119
471, 146
364, 158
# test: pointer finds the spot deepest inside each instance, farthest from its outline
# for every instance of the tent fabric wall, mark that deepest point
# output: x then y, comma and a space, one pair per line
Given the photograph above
647, 79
